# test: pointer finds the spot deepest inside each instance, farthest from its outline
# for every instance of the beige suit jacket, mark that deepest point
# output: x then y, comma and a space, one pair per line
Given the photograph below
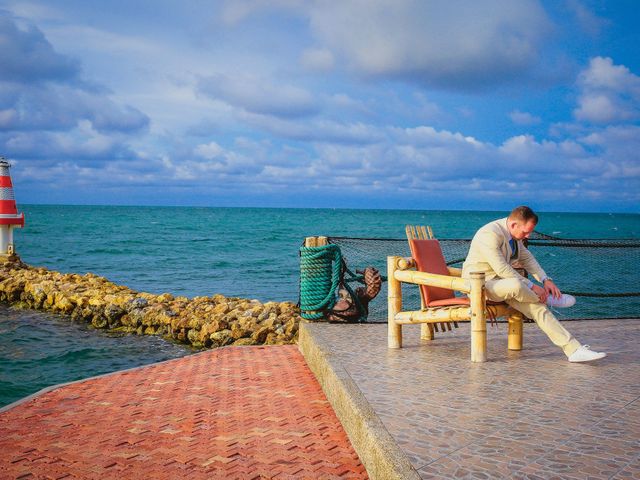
490, 253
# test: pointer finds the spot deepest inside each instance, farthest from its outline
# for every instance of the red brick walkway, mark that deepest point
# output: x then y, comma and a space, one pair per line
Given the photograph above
232, 413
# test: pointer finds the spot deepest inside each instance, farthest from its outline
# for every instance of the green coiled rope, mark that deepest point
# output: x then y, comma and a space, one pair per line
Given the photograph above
319, 277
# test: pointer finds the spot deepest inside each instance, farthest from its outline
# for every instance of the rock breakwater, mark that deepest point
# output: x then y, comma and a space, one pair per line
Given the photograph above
200, 321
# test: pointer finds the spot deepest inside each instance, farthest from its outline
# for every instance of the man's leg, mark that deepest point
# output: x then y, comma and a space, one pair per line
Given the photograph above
519, 296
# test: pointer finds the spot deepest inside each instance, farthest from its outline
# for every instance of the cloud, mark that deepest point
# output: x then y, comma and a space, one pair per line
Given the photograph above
58, 107
49, 114
26, 56
432, 42
524, 118
41, 89
82, 143
588, 21
618, 146
209, 151
608, 93
234, 11
259, 95
317, 59
316, 131
236, 119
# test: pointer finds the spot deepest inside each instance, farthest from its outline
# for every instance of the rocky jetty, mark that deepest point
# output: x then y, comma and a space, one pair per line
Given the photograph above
201, 321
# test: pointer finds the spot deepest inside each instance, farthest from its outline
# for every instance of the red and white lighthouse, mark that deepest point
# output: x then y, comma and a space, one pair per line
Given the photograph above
9, 217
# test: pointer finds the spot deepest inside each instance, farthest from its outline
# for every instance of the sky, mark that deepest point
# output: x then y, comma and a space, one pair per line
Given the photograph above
401, 104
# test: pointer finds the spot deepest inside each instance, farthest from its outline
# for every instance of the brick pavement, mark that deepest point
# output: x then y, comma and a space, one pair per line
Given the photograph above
232, 413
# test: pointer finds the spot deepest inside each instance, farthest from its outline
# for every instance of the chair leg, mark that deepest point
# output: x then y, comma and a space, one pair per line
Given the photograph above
426, 331
478, 319
514, 336
394, 304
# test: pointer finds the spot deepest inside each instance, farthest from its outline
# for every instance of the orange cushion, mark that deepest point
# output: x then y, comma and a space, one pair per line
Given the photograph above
449, 302
429, 258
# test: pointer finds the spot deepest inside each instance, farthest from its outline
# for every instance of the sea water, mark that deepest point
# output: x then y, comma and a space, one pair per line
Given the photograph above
191, 251
40, 349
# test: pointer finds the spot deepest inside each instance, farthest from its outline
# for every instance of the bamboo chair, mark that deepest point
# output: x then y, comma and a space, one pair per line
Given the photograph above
438, 284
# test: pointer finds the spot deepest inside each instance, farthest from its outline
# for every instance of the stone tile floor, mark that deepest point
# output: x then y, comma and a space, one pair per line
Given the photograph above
231, 413
524, 415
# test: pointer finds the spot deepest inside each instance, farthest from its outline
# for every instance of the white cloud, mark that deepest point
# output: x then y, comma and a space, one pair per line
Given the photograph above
317, 59
34, 11
315, 131
101, 41
286, 121
81, 144
483, 43
524, 118
8, 117
259, 95
588, 21
209, 151
603, 74
26, 56
234, 11
55, 106
609, 93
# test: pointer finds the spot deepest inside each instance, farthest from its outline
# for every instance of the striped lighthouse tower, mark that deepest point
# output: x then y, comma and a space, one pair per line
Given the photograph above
9, 217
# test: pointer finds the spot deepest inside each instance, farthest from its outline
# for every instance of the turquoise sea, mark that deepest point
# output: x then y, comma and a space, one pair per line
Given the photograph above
247, 252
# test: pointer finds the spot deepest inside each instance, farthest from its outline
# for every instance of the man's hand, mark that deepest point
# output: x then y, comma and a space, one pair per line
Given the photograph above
551, 288
541, 292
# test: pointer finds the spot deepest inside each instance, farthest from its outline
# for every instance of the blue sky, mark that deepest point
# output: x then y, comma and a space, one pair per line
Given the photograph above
367, 103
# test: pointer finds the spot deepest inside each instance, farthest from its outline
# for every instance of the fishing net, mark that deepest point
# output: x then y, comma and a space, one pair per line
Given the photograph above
604, 275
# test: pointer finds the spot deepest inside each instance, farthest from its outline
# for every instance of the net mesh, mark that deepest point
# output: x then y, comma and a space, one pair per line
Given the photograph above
604, 275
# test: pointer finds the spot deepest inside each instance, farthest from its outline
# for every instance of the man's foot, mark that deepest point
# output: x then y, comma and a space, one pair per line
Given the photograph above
565, 301
584, 354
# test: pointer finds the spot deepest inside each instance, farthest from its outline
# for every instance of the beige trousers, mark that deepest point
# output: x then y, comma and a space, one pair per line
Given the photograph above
516, 294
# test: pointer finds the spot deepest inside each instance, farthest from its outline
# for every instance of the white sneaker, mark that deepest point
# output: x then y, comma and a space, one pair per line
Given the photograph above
583, 354
565, 301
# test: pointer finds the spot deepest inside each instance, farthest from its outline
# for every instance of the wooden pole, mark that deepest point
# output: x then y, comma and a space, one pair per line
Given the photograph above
455, 272
394, 299
514, 336
405, 263
478, 318
434, 280
427, 332
434, 316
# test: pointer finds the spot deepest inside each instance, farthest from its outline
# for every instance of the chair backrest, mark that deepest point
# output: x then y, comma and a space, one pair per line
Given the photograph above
428, 256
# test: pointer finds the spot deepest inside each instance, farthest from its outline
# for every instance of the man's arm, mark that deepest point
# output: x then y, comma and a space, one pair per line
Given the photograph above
529, 262
490, 244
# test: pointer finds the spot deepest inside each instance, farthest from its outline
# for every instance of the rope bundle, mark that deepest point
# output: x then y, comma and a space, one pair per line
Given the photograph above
319, 279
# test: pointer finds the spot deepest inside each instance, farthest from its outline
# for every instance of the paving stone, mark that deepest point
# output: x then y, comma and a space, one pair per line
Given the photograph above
528, 414
235, 412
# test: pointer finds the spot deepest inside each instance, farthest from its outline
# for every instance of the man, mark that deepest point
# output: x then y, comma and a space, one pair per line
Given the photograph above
495, 249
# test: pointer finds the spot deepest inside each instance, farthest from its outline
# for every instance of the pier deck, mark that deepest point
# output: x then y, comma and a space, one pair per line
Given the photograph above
231, 413
526, 415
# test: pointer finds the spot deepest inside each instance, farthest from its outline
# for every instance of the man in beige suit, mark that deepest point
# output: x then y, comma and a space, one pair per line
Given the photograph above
494, 250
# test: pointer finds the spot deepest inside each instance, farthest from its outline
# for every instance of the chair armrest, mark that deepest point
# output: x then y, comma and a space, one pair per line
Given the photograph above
433, 280
455, 272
